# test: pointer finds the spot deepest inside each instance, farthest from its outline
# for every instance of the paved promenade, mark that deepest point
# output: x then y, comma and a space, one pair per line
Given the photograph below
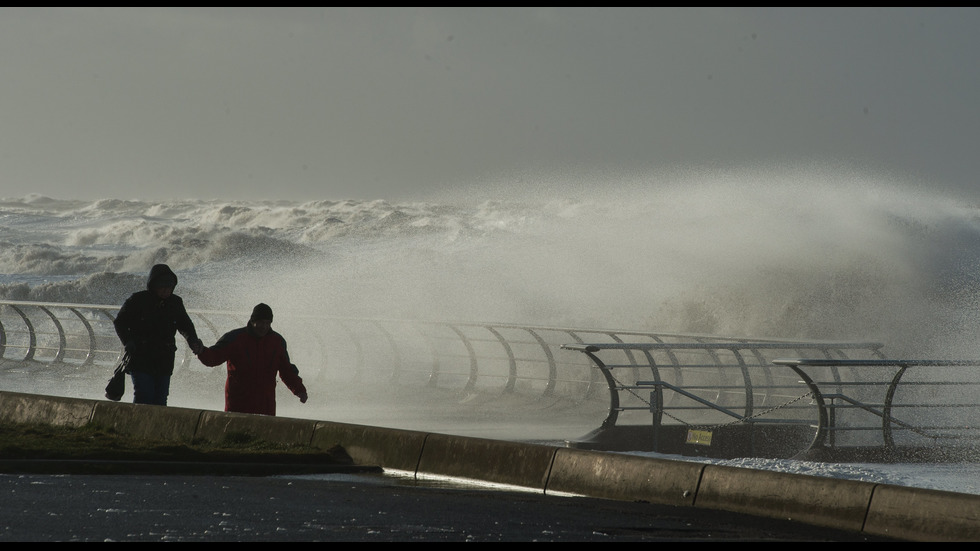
350, 507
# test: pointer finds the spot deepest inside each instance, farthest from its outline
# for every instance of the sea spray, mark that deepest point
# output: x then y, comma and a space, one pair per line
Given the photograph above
785, 254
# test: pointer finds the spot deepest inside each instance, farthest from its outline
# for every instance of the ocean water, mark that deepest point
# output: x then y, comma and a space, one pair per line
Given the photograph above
803, 254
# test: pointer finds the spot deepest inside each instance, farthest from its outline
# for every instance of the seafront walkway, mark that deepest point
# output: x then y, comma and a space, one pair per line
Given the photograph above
485, 486
354, 508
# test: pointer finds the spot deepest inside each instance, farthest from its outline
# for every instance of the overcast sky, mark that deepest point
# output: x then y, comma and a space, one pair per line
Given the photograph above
394, 103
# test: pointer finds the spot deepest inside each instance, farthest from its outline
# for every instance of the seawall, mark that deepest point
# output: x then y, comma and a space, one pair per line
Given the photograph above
876, 509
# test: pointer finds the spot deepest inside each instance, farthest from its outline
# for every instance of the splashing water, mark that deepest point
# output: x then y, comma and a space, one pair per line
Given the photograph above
792, 254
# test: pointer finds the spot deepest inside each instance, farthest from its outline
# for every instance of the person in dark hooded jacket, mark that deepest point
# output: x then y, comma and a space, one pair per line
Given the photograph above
254, 354
147, 324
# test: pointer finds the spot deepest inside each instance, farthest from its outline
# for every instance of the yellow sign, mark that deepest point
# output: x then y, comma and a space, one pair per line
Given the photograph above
702, 437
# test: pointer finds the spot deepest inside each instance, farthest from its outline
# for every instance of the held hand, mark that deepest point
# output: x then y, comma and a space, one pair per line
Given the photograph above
302, 397
197, 347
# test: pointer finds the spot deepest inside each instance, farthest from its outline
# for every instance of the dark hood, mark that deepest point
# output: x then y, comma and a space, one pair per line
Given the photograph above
161, 276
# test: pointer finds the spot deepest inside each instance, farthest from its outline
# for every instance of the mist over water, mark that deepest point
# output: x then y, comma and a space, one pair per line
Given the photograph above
798, 253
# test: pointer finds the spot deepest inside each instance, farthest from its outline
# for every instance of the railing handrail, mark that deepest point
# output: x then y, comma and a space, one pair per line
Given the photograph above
724, 345
874, 363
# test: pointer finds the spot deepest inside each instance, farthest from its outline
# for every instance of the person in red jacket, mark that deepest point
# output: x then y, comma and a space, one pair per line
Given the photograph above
255, 354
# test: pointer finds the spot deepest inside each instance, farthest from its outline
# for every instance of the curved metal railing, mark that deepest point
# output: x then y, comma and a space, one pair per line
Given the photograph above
62, 338
743, 399
903, 403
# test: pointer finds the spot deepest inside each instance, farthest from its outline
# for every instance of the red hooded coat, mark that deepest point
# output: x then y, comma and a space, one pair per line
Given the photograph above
253, 363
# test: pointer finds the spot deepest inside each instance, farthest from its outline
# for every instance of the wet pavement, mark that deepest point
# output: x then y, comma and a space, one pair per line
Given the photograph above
356, 507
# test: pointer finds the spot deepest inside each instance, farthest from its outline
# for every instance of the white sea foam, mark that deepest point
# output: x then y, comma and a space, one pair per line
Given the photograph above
797, 254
